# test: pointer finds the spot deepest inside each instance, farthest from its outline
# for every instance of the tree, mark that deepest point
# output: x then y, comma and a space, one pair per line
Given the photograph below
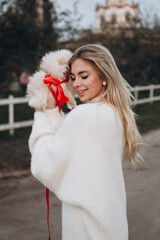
22, 39
69, 23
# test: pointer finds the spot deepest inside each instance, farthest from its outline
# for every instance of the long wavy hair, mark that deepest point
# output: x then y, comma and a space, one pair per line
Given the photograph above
118, 94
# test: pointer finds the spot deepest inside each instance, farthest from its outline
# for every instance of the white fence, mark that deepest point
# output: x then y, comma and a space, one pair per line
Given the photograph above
11, 101
150, 99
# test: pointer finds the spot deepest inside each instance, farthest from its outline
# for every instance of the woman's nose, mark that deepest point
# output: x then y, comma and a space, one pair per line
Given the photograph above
76, 82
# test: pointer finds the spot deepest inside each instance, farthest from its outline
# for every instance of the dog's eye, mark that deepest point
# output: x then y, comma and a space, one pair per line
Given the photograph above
71, 78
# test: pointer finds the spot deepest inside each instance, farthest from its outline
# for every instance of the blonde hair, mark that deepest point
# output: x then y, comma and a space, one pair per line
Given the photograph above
117, 94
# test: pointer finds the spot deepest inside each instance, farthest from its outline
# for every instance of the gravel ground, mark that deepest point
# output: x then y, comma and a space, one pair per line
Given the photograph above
23, 206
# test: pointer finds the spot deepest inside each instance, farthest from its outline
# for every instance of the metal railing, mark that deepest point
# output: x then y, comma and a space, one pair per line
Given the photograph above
11, 101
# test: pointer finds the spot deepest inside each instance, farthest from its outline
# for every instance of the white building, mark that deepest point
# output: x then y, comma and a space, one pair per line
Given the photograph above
117, 12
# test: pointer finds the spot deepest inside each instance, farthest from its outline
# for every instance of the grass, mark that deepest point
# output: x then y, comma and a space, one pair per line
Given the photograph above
14, 153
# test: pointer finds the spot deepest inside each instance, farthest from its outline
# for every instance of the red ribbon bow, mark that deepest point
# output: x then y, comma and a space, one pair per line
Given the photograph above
59, 94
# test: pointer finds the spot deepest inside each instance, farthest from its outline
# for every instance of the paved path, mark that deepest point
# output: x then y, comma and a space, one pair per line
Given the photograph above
23, 207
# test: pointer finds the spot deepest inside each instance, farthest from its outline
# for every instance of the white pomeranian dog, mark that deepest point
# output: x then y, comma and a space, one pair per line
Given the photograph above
56, 64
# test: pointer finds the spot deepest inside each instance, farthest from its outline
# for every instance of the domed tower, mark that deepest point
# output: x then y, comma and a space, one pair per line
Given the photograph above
116, 12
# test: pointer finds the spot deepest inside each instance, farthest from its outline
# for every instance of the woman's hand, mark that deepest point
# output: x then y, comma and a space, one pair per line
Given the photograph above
51, 102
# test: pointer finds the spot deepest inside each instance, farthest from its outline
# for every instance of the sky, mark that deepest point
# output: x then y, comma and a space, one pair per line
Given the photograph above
87, 8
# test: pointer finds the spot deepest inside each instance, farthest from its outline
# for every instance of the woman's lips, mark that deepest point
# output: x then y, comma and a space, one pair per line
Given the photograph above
81, 92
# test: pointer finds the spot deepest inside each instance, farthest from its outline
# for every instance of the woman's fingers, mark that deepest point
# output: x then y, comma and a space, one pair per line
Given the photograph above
51, 102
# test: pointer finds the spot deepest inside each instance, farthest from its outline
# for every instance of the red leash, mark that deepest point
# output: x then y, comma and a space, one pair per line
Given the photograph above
60, 99
47, 201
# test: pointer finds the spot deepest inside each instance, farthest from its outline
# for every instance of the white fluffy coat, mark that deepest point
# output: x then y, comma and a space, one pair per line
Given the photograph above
79, 158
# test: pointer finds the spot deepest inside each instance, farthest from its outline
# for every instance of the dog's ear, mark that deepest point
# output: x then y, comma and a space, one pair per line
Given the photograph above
37, 91
56, 63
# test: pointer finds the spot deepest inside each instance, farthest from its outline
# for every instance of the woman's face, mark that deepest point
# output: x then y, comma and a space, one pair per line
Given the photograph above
86, 81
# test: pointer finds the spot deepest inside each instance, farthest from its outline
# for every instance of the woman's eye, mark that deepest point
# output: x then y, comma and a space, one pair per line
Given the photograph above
85, 77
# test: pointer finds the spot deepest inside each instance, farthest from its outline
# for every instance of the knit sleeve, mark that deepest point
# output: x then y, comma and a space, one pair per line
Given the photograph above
48, 147
45, 123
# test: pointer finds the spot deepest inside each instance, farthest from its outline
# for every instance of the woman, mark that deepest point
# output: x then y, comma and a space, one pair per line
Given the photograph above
79, 158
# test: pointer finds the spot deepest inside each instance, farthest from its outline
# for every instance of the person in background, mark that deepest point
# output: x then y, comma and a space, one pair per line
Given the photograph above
24, 79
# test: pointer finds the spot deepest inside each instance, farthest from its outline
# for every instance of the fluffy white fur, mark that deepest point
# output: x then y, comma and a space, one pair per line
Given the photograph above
79, 158
56, 64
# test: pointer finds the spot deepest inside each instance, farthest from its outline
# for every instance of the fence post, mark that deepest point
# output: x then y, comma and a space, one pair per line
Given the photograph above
151, 93
11, 114
136, 88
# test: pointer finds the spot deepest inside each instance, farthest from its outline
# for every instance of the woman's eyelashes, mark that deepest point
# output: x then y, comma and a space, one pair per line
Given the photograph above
84, 77
73, 78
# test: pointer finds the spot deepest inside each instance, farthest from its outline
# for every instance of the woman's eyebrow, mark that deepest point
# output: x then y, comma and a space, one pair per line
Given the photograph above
83, 72
80, 72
